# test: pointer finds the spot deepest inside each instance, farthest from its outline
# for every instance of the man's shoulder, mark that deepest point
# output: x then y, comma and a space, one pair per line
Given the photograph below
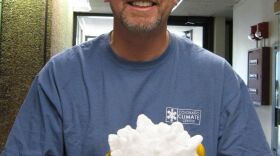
188, 50
72, 61
82, 50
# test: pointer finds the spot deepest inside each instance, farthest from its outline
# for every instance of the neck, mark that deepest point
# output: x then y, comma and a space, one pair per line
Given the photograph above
139, 47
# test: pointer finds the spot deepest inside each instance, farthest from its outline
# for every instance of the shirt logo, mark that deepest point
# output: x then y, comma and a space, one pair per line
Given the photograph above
185, 116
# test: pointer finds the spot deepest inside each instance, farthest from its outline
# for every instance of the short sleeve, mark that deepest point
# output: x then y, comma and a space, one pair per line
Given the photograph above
37, 130
240, 132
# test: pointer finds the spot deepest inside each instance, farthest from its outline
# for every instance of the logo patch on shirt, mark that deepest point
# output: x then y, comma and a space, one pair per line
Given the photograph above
185, 116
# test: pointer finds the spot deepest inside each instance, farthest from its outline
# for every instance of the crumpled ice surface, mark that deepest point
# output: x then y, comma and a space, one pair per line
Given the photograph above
149, 139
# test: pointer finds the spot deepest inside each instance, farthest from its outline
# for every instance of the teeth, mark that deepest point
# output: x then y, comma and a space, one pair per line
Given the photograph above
142, 4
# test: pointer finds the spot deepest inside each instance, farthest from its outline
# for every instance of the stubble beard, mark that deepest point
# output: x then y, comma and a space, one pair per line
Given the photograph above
140, 27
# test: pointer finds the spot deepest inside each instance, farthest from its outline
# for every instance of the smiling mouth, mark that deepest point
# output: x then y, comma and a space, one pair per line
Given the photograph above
142, 3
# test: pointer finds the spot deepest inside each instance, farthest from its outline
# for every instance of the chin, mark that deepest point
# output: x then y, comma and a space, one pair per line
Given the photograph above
142, 26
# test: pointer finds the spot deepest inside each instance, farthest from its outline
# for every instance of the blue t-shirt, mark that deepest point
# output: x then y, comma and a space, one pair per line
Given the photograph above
87, 92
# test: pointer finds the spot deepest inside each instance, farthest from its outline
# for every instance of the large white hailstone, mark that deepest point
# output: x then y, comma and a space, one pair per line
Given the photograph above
149, 139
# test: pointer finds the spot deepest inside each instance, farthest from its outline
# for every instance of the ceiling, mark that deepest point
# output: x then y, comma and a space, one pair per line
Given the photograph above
215, 8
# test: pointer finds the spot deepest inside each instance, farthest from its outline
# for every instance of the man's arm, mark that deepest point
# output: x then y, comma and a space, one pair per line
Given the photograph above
38, 126
240, 131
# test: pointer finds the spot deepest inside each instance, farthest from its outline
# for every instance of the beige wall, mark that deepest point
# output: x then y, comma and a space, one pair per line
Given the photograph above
62, 25
219, 36
247, 13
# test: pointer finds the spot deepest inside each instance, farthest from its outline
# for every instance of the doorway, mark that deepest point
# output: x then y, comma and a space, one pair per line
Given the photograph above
198, 29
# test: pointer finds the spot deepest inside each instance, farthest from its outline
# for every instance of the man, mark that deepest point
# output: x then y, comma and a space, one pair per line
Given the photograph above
98, 87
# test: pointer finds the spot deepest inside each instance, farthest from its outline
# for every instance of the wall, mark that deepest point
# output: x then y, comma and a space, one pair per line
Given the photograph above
219, 36
24, 47
62, 25
0, 14
247, 13
223, 37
